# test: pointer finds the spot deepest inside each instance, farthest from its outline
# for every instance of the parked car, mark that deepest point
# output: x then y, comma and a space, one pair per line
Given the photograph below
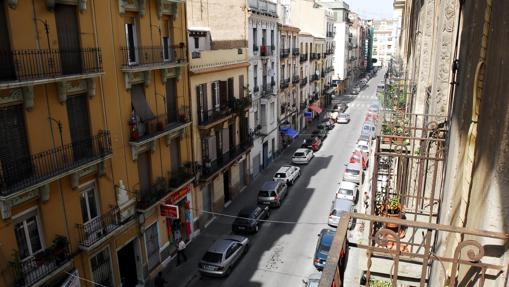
313, 143
359, 157
356, 90
320, 133
333, 116
272, 193
369, 128
365, 138
348, 190
222, 256
353, 173
373, 108
302, 156
363, 146
326, 124
249, 219
339, 207
340, 108
323, 245
313, 280
287, 174
343, 118
371, 117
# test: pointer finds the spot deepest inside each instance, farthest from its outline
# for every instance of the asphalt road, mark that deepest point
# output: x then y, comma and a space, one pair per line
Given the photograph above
281, 254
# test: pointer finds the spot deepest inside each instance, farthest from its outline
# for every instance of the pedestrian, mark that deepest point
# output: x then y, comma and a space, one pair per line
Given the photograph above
160, 281
366, 200
181, 246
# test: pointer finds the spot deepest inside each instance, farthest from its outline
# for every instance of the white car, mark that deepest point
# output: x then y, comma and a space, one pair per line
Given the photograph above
353, 173
338, 208
343, 118
302, 156
287, 174
348, 190
363, 146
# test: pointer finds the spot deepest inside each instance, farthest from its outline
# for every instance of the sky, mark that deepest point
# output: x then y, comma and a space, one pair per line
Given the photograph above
371, 9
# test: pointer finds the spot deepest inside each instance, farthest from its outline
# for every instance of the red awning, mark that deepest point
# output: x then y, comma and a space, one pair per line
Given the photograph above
315, 108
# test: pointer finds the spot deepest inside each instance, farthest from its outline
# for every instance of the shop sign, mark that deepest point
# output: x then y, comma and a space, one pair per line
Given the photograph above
178, 195
308, 115
168, 210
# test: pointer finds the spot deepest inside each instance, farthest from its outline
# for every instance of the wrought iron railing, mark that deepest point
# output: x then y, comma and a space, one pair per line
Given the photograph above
314, 78
31, 270
211, 167
284, 53
215, 114
159, 125
97, 228
242, 104
23, 172
303, 58
295, 79
149, 196
184, 174
256, 89
303, 81
265, 51
133, 57
295, 51
267, 89
284, 83
37, 64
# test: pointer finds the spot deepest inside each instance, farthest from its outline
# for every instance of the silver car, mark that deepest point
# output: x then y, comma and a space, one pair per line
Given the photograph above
272, 193
221, 257
353, 173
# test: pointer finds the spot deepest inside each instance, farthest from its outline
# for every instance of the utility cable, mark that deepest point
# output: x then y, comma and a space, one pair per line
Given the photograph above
262, 220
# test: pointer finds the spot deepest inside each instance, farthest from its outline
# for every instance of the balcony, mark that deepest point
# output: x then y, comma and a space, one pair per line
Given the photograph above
242, 104
265, 51
40, 66
330, 34
303, 81
210, 59
314, 78
38, 268
295, 51
284, 84
303, 58
28, 173
209, 118
145, 58
295, 79
263, 7
160, 126
182, 176
284, 53
314, 56
211, 167
99, 228
267, 90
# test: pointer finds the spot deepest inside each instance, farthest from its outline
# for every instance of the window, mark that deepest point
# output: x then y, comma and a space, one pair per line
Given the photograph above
272, 110
27, 230
215, 95
272, 37
88, 202
196, 43
201, 93
101, 268
131, 39
264, 37
255, 74
255, 41
166, 49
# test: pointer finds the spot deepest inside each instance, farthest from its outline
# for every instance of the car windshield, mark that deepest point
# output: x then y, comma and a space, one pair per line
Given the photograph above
345, 191
353, 171
213, 257
313, 283
342, 116
280, 175
324, 248
298, 154
265, 193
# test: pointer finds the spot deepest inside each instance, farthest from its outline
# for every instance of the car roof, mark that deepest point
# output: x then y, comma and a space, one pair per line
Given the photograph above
284, 168
347, 185
221, 245
353, 165
362, 142
270, 185
327, 235
343, 204
302, 150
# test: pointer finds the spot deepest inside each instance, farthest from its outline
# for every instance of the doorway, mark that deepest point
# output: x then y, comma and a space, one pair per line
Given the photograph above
6, 63
68, 38
226, 183
265, 154
127, 265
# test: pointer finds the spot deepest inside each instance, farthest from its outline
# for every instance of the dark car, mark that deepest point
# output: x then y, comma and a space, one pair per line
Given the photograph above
320, 133
312, 143
249, 219
325, 238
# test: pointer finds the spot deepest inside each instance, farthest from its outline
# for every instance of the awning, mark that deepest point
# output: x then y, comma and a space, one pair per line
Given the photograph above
290, 132
315, 108
141, 107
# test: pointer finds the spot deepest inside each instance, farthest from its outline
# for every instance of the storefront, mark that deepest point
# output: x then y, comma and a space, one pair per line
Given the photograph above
177, 210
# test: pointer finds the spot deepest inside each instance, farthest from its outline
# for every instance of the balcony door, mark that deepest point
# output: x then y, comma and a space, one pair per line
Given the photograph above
201, 94
16, 164
79, 125
132, 40
28, 234
68, 38
6, 64
88, 202
223, 94
171, 100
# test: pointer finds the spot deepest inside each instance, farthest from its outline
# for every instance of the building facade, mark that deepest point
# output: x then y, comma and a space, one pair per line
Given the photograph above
263, 76
96, 163
384, 41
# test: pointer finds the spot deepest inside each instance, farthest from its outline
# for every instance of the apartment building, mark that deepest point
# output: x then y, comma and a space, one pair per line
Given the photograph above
263, 74
385, 40
220, 103
328, 90
289, 84
306, 73
96, 166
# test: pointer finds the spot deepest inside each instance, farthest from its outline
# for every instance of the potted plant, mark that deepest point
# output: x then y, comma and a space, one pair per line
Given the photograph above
17, 267
59, 247
393, 210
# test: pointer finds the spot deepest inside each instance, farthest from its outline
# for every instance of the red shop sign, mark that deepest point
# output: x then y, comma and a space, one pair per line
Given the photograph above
178, 195
169, 210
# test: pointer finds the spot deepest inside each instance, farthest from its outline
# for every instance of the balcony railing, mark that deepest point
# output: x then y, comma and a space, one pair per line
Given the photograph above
242, 104
314, 78
29, 271
211, 167
154, 193
314, 56
265, 51
161, 124
304, 81
256, 89
98, 228
284, 84
284, 53
264, 7
151, 56
295, 79
215, 114
184, 174
330, 34
267, 89
303, 58
38, 64
24, 172
295, 51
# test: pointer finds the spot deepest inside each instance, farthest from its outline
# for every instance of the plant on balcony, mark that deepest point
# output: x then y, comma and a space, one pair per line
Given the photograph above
58, 249
15, 264
133, 127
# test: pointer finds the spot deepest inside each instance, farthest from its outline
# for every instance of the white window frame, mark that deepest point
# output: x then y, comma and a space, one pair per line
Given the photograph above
167, 50
135, 37
112, 276
91, 185
21, 217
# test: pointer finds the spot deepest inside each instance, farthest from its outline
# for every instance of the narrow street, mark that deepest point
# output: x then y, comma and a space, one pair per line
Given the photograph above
281, 254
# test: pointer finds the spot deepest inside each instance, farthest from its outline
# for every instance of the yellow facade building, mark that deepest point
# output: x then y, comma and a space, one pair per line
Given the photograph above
96, 162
